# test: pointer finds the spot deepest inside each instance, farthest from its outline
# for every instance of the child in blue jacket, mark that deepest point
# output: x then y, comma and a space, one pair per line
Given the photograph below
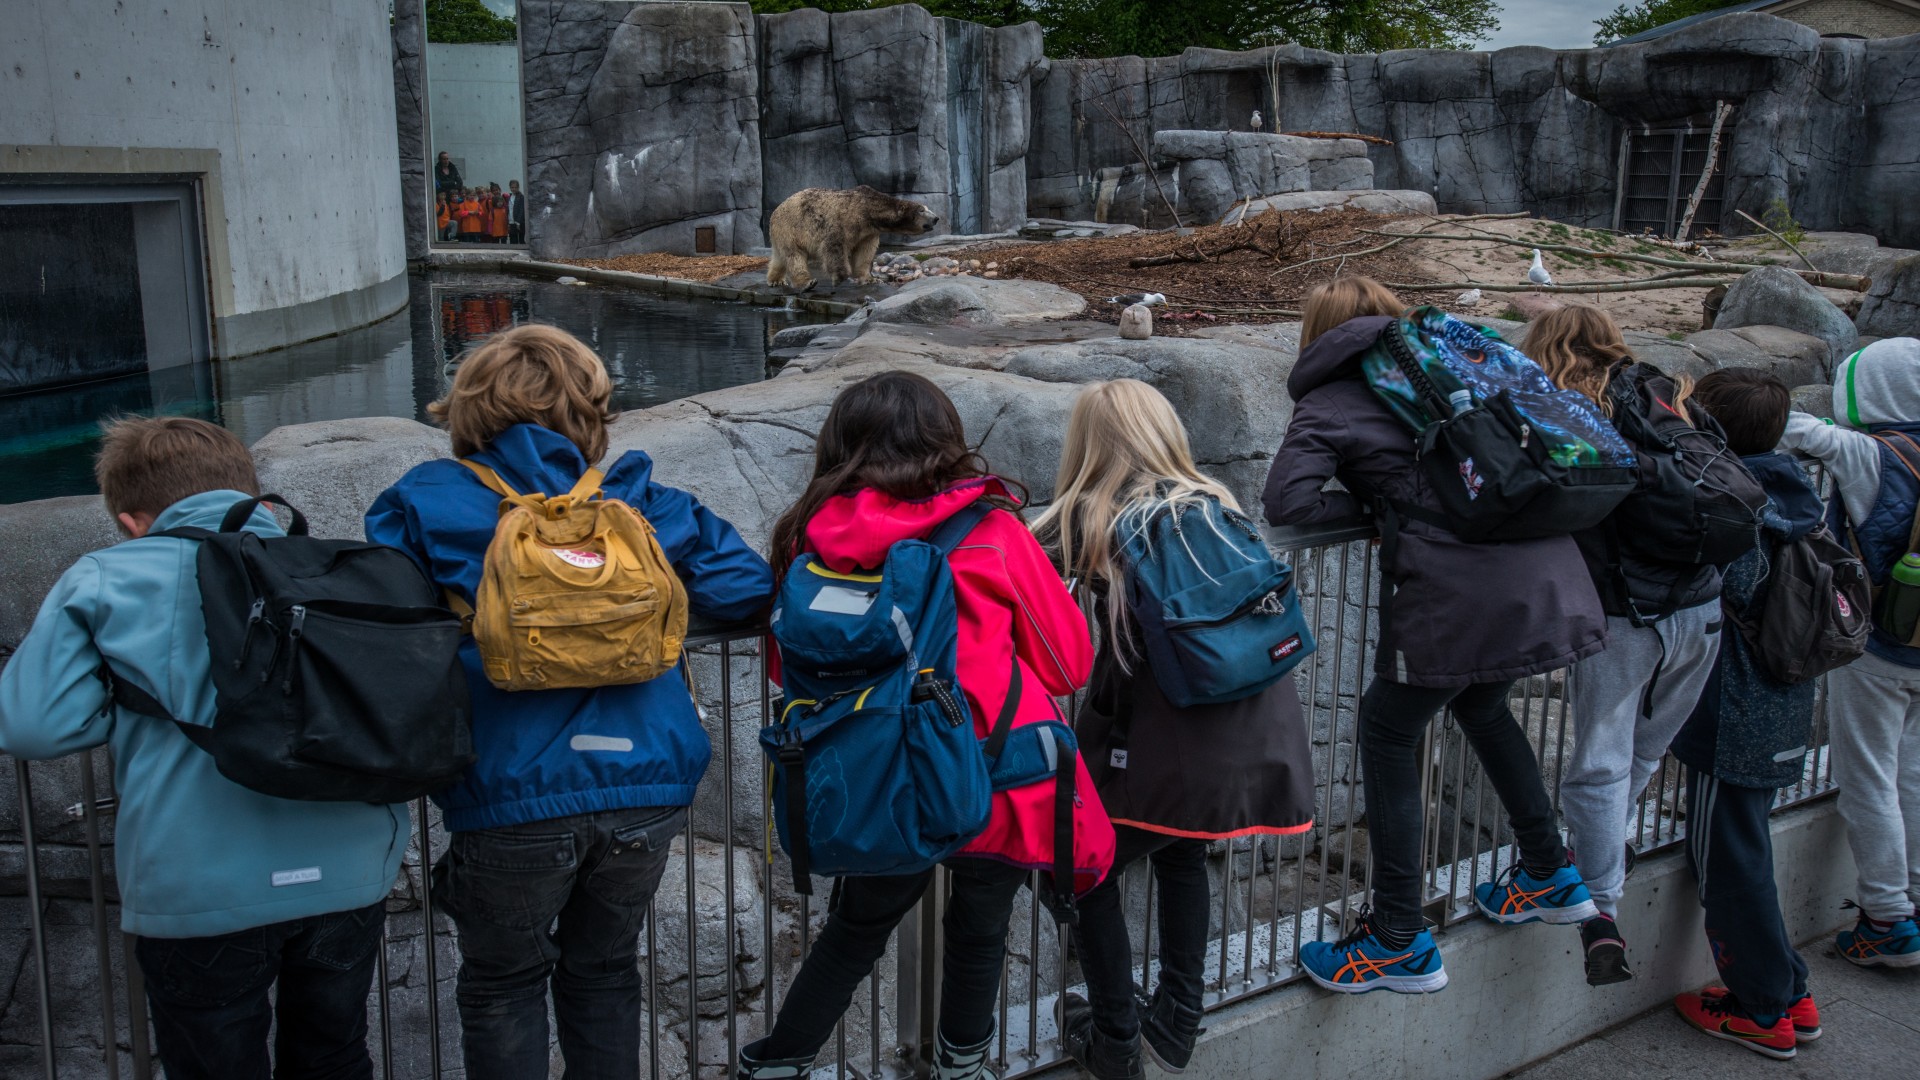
561, 827
229, 891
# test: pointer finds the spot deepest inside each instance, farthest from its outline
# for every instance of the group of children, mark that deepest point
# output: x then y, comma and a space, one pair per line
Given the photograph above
481, 215
255, 913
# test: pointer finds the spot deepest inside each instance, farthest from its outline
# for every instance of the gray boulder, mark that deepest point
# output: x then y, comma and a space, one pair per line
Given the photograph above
1814, 398
42, 539
1776, 296
333, 470
970, 301
1892, 306
1792, 357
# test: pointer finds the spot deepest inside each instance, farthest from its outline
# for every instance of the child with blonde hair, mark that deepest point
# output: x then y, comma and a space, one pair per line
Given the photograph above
1173, 779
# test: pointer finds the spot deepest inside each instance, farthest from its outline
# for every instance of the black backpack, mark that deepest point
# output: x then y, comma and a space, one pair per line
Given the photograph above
336, 672
1816, 613
1695, 502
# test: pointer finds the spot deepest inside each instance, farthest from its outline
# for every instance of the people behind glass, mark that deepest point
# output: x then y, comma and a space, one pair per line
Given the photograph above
477, 215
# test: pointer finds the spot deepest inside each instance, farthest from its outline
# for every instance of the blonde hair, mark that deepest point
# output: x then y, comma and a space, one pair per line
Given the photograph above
1579, 346
148, 463
1126, 457
528, 375
1343, 298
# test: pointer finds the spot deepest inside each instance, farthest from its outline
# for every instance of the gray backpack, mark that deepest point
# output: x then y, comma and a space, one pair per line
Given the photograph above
1816, 613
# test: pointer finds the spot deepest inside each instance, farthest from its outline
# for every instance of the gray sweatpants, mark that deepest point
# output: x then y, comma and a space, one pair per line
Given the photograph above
1873, 727
1629, 701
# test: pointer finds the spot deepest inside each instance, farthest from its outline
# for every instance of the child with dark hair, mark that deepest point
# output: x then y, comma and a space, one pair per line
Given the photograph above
1746, 739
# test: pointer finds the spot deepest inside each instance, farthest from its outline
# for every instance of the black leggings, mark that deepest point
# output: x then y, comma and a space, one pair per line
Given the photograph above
1106, 950
862, 916
1393, 717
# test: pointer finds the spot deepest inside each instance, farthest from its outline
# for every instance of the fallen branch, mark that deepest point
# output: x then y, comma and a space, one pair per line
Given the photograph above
1146, 160
1343, 256
1593, 287
1814, 277
1784, 240
1374, 139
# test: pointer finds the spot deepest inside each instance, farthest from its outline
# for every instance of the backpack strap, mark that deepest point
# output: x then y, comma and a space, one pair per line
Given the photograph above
1901, 455
491, 479
133, 699
954, 531
240, 512
1065, 775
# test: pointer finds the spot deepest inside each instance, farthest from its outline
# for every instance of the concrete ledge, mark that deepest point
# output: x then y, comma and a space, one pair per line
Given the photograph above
276, 328
1518, 994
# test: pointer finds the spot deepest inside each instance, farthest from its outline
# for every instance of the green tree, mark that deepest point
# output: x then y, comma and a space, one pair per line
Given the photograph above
466, 22
1647, 14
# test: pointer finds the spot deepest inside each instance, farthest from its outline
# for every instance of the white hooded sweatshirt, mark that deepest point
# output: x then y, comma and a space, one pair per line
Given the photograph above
1880, 384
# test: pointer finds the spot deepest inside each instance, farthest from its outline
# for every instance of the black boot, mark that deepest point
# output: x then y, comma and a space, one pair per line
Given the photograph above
1103, 1056
753, 1067
1168, 1030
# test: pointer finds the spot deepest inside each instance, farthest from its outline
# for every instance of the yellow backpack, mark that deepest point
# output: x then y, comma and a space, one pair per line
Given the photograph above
575, 592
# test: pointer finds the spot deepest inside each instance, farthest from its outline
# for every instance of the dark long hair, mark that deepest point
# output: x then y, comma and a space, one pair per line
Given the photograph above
895, 432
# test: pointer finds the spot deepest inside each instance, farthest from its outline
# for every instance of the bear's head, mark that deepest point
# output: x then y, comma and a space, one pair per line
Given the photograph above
897, 215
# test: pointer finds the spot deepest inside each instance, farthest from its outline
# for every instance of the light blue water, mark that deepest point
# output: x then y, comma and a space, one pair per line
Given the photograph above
656, 349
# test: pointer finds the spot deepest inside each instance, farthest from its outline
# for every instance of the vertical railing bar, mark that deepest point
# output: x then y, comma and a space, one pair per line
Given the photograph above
766, 844
426, 937
1146, 935
1006, 1003
873, 1020
97, 882
1333, 737
136, 1010
840, 1048
726, 852
1253, 876
1560, 753
36, 920
386, 1005
1359, 689
1033, 971
653, 989
1320, 833
693, 958
1226, 916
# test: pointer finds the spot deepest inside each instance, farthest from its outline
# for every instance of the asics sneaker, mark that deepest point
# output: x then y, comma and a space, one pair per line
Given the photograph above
1359, 962
1519, 897
1721, 1016
1881, 944
1803, 1012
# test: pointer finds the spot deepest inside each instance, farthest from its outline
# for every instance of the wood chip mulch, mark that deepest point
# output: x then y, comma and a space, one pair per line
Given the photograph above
1254, 271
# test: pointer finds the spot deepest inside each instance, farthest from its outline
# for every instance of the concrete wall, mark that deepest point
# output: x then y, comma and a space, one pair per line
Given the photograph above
473, 102
278, 107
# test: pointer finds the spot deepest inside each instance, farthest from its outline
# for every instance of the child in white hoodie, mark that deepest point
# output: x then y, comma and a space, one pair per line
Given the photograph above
1872, 449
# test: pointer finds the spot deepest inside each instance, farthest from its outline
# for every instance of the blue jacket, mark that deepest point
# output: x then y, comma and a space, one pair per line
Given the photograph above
1883, 535
1748, 728
195, 853
643, 743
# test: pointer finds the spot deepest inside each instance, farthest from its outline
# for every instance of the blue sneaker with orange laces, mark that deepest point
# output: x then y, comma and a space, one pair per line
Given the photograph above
1893, 944
1361, 962
1519, 897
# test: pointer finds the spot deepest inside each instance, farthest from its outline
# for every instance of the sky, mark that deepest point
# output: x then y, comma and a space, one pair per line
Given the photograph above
1557, 24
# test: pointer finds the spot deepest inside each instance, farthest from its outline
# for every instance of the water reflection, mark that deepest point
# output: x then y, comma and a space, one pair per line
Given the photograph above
656, 349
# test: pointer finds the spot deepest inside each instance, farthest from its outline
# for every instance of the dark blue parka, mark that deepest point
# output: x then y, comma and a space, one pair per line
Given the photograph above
552, 753
1750, 729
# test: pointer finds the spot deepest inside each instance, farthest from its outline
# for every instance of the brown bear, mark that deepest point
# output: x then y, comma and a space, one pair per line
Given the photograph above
833, 234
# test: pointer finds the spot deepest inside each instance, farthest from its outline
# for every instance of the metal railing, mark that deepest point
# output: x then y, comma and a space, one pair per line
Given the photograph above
736, 936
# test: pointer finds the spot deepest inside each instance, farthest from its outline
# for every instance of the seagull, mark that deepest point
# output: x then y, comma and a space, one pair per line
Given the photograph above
1259, 122
1468, 298
1151, 299
1537, 273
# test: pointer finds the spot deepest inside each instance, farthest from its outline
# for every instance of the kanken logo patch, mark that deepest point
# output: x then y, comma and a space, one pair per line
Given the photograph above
585, 560
1471, 477
1846, 609
1284, 649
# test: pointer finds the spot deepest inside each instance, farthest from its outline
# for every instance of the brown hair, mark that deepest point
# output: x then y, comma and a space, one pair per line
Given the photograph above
1750, 404
148, 463
1580, 347
528, 375
1343, 298
895, 432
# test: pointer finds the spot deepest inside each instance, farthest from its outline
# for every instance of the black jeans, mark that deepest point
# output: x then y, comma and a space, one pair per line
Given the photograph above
861, 917
558, 902
209, 998
1393, 716
1106, 952
1730, 850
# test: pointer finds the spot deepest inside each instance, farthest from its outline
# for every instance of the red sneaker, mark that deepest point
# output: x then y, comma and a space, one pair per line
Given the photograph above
1722, 1017
1804, 1014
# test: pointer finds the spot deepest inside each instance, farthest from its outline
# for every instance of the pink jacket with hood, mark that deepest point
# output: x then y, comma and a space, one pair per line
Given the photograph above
1013, 610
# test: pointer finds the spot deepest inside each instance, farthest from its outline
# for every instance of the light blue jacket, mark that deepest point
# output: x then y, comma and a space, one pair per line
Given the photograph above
196, 853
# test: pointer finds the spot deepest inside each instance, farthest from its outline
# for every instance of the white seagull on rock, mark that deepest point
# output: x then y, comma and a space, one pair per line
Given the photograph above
1259, 122
1150, 299
1537, 273
1468, 298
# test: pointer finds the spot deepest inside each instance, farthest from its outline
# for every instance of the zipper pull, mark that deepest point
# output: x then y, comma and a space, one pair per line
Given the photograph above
294, 633
254, 615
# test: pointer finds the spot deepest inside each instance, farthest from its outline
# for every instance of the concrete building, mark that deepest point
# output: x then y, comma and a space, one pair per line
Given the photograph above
247, 142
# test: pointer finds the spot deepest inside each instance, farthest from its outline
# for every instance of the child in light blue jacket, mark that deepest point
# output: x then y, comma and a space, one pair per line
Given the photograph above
227, 889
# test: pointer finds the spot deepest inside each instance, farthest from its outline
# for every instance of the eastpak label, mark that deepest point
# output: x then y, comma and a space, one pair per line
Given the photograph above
302, 876
1284, 649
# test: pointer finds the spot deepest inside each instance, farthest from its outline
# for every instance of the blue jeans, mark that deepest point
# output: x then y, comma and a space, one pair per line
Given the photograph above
209, 999
558, 902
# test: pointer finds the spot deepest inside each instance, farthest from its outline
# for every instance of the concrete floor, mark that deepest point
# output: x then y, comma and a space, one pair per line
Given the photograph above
1871, 1020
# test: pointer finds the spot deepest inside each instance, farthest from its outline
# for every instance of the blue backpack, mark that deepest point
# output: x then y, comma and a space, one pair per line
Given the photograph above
876, 766
1218, 615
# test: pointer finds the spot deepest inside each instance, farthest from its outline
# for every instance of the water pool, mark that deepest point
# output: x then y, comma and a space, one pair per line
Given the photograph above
656, 349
